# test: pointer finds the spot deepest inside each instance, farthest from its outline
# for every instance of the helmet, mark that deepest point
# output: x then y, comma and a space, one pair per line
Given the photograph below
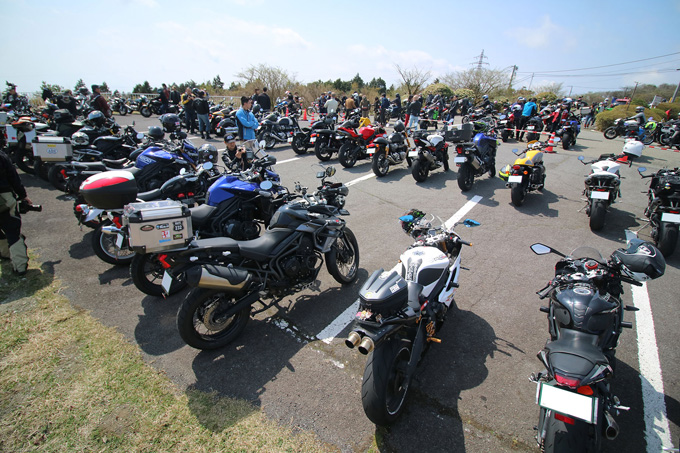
257, 109
207, 153
639, 109
96, 118
504, 172
521, 99
80, 139
399, 126
155, 133
485, 97
410, 219
170, 122
633, 148
641, 261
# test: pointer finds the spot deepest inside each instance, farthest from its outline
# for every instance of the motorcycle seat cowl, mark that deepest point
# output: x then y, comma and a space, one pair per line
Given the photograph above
575, 352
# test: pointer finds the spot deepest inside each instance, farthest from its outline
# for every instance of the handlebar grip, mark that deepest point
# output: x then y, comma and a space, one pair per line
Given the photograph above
464, 242
626, 325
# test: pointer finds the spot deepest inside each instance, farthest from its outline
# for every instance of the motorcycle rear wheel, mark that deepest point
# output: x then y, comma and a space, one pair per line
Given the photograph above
323, 153
597, 212
145, 112
517, 194
123, 111
56, 178
562, 437
298, 143
24, 158
348, 155
610, 133
380, 164
104, 246
466, 177
566, 141
199, 323
648, 140
667, 238
342, 262
269, 141
420, 170
147, 275
384, 387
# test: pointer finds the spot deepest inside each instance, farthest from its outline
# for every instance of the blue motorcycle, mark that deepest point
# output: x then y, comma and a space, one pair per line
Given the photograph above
476, 158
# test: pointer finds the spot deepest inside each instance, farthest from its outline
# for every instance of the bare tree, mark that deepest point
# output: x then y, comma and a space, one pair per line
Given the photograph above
480, 81
554, 87
275, 79
414, 79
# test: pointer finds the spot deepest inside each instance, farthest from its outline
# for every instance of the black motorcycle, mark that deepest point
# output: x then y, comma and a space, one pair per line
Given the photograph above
276, 129
119, 105
475, 159
230, 276
431, 153
155, 107
325, 138
585, 320
663, 210
533, 127
390, 150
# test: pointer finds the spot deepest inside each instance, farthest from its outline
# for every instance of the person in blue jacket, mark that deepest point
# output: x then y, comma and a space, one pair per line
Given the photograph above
530, 109
247, 121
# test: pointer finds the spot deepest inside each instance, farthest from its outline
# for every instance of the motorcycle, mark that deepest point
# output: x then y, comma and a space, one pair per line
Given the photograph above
507, 123
391, 150
526, 174
475, 159
533, 127
278, 129
356, 140
670, 135
119, 105
154, 107
401, 311
663, 210
568, 131
230, 276
603, 184
431, 153
585, 319
622, 128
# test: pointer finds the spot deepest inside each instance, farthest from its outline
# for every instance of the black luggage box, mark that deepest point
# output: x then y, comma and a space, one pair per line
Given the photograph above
62, 116
462, 133
110, 189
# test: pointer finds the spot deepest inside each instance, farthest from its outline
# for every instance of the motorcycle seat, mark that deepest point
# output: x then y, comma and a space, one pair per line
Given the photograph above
150, 195
575, 352
260, 248
201, 214
115, 163
216, 244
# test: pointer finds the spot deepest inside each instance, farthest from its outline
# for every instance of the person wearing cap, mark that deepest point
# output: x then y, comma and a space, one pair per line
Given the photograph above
99, 102
237, 156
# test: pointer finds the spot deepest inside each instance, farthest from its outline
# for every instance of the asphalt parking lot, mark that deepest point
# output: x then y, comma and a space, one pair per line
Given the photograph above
472, 391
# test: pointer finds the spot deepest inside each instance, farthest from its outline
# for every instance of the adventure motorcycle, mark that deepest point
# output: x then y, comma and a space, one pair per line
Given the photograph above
603, 184
356, 141
663, 210
585, 319
391, 150
526, 174
476, 158
401, 311
431, 153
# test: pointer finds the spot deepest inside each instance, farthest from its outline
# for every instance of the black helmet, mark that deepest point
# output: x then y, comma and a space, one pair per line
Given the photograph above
399, 126
96, 118
641, 261
170, 122
207, 153
257, 109
83, 91
410, 219
155, 133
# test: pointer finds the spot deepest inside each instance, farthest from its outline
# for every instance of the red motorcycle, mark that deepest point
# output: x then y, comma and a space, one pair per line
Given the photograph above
356, 141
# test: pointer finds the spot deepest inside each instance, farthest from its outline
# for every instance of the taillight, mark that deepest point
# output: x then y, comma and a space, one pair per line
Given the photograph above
79, 208
564, 418
459, 149
516, 167
569, 382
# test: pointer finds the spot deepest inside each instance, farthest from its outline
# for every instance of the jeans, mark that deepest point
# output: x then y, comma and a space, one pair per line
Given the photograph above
190, 116
413, 121
203, 123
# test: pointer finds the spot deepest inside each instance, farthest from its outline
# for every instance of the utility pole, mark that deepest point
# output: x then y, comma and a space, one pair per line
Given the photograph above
531, 81
570, 88
631, 96
512, 77
676, 90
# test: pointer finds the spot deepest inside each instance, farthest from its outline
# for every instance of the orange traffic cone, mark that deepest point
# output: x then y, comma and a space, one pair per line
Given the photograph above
551, 143
304, 115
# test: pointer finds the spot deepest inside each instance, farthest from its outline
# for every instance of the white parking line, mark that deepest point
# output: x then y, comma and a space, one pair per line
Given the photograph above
334, 328
288, 160
363, 178
657, 429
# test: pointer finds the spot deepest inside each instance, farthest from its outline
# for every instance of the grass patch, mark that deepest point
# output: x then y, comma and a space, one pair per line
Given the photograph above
68, 383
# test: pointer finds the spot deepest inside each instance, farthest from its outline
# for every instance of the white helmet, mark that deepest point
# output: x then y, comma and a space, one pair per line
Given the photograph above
633, 148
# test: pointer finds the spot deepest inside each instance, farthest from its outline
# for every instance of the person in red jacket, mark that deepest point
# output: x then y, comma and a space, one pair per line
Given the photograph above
99, 102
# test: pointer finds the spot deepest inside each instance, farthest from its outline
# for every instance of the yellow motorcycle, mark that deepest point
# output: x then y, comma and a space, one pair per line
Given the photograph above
526, 174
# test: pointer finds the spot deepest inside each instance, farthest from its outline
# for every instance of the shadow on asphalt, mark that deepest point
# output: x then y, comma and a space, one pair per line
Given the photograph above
616, 222
35, 280
538, 203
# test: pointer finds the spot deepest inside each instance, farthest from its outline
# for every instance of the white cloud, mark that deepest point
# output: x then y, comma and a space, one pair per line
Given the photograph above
546, 34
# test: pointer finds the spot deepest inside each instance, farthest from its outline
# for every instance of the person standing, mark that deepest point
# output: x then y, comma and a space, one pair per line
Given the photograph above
365, 105
349, 105
331, 105
247, 123
174, 95
12, 242
164, 95
202, 110
384, 105
414, 112
529, 110
187, 101
98, 101
264, 100
255, 95
397, 103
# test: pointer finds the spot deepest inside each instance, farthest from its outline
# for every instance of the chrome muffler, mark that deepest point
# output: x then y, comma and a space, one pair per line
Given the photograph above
611, 429
353, 339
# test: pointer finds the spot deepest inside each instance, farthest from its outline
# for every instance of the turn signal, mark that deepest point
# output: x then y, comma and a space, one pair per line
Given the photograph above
585, 390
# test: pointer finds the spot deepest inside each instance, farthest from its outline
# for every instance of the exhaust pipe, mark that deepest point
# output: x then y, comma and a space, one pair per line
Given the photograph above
366, 345
110, 229
353, 339
231, 280
611, 429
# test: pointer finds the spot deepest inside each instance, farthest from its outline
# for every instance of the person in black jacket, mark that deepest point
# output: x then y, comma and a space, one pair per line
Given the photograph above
414, 112
202, 109
12, 245
264, 101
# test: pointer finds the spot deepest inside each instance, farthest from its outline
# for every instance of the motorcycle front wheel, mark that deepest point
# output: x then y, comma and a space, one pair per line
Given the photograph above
24, 158
380, 164
104, 246
123, 111
610, 133
145, 111
201, 324
466, 177
342, 261
384, 387
668, 237
420, 170
566, 141
648, 139
147, 273
348, 155
322, 151
597, 212
269, 141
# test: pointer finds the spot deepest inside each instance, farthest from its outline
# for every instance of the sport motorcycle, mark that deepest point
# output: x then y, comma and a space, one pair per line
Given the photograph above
356, 141
401, 311
663, 210
585, 319
431, 153
526, 173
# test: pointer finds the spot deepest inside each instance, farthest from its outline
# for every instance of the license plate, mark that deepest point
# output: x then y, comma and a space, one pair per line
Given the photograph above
413, 154
460, 160
503, 121
569, 403
312, 140
668, 217
530, 128
515, 178
290, 139
167, 282
599, 195
119, 240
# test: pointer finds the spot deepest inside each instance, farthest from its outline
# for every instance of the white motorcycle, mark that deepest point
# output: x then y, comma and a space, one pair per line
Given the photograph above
603, 184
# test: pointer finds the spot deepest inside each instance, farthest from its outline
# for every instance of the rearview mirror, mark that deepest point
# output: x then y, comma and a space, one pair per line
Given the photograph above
320, 174
641, 170
208, 166
540, 249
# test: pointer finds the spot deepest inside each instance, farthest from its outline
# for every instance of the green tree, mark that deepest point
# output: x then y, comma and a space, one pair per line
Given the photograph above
104, 88
358, 80
52, 87
234, 86
217, 83
143, 88
79, 85
378, 83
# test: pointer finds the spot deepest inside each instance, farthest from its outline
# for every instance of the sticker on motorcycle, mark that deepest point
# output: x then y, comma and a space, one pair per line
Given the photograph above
599, 195
515, 178
147, 228
162, 226
569, 403
119, 240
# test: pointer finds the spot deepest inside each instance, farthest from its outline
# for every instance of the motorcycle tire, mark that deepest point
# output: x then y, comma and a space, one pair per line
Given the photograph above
597, 212
147, 275
531, 137
298, 143
610, 133
342, 261
80, 216
667, 238
322, 151
466, 177
269, 141
145, 112
664, 139
445, 162
104, 246
648, 139
517, 194
466, 119
348, 155
42, 169
504, 136
420, 170
198, 308
384, 388
56, 178
380, 164
24, 158
563, 437
123, 111
566, 141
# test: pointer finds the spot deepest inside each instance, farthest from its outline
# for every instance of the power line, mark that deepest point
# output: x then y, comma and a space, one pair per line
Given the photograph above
611, 74
606, 66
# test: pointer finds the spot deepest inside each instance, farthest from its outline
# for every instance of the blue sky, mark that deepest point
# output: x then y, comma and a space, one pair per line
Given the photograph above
125, 42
